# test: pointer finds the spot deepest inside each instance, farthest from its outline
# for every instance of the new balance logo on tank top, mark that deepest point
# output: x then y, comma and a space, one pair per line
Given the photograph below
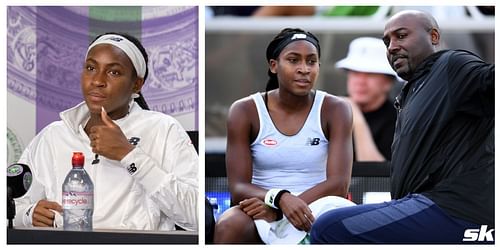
296, 162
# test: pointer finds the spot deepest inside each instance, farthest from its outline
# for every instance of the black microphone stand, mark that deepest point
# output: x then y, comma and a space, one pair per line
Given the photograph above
11, 207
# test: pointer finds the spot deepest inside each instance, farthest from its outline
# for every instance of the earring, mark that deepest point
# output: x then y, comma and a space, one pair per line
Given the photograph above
135, 95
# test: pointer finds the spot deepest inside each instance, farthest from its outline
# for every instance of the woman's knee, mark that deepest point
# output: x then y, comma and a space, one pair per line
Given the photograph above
234, 226
228, 221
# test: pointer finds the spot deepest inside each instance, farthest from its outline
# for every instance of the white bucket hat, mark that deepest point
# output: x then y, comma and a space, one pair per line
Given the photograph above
367, 54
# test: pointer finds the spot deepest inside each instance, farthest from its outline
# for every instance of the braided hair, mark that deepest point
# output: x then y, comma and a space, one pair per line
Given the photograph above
139, 100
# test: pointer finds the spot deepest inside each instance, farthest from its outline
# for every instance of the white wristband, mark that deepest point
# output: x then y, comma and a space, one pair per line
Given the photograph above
270, 196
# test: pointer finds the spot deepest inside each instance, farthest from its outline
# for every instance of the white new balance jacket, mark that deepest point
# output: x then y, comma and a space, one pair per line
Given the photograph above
161, 192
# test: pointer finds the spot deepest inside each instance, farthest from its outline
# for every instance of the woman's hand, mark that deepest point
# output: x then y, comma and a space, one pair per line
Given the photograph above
108, 140
257, 209
296, 211
44, 213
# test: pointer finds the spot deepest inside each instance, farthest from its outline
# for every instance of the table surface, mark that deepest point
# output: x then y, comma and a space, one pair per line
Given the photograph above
39, 235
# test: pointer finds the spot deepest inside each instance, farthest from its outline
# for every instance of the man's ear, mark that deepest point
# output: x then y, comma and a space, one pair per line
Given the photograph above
435, 36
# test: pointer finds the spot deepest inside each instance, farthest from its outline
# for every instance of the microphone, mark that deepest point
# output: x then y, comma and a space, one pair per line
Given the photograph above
19, 180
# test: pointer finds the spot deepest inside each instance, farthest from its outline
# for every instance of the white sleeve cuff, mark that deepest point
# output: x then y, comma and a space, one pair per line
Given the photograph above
27, 215
143, 168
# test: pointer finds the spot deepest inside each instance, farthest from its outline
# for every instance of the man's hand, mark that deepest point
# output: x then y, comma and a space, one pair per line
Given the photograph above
108, 140
43, 215
257, 209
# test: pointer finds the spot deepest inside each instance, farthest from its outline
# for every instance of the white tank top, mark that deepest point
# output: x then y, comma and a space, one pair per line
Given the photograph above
295, 163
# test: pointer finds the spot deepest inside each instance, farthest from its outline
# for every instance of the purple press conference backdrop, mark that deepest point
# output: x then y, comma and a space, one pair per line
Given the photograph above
45, 53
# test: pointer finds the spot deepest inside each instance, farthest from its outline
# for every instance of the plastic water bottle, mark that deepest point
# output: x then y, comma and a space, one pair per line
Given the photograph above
78, 197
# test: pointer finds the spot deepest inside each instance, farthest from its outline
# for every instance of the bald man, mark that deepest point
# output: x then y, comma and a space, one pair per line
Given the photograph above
442, 168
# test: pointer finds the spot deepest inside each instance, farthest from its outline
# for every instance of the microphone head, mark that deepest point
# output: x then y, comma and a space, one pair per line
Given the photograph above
19, 179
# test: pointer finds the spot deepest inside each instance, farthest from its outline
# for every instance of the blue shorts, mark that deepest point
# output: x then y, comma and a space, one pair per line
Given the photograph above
412, 219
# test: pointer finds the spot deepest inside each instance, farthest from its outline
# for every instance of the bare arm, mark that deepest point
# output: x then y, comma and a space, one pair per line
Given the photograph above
338, 118
365, 147
238, 155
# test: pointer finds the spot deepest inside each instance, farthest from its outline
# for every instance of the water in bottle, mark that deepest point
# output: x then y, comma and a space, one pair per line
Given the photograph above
78, 197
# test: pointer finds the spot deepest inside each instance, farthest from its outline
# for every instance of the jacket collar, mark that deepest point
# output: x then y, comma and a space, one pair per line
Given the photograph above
79, 115
427, 64
423, 68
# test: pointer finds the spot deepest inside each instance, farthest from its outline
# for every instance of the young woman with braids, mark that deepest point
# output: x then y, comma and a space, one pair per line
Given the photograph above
286, 148
145, 167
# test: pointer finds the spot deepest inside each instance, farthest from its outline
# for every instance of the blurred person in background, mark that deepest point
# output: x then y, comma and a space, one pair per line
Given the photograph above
289, 149
370, 79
